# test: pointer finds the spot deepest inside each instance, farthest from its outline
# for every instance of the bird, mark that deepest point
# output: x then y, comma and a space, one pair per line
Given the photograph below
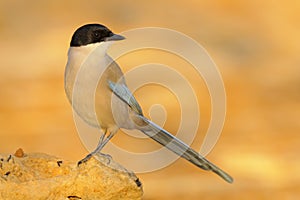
114, 105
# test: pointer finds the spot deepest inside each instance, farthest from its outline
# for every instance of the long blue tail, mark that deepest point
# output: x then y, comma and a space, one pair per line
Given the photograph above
180, 148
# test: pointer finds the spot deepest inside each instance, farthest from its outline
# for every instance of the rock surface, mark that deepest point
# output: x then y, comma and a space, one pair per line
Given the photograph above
41, 176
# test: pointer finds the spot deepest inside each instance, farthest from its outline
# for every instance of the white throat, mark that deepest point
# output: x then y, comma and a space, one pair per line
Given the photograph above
95, 54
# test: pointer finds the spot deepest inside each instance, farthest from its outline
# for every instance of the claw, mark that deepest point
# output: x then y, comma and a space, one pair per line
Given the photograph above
84, 160
107, 156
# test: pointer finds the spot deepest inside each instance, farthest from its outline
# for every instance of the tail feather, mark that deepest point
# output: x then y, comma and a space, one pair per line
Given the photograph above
180, 148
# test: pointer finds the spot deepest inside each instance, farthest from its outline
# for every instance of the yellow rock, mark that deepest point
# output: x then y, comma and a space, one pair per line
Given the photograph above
41, 176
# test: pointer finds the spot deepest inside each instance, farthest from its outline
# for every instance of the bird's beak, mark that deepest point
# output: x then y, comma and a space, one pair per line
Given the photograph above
115, 37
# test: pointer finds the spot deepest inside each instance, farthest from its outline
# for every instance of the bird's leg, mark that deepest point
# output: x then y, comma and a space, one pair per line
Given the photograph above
98, 148
102, 138
102, 142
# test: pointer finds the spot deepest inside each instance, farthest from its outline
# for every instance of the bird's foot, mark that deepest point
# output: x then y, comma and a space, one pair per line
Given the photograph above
88, 157
107, 156
85, 159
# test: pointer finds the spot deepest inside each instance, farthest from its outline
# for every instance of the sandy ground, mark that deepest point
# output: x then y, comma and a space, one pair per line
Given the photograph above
255, 44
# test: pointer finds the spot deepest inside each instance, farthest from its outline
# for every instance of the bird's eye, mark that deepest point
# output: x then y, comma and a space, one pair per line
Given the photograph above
96, 34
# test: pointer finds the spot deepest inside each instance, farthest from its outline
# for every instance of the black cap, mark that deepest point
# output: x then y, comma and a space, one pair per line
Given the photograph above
93, 33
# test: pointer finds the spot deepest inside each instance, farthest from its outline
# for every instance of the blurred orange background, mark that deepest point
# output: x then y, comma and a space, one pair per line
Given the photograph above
255, 44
